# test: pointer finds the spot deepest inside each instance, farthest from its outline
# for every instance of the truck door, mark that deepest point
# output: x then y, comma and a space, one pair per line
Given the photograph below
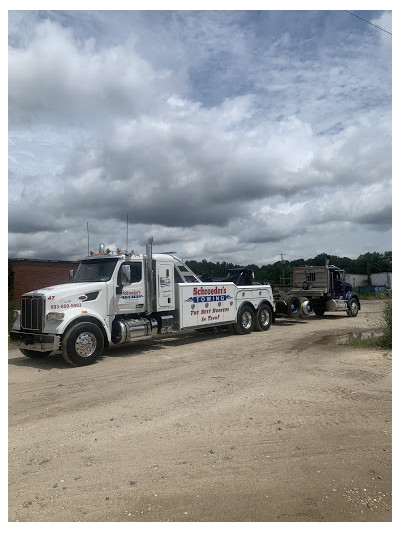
336, 284
130, 298
165, 287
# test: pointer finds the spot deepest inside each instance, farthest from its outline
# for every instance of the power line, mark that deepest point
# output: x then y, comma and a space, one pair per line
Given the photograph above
368, 22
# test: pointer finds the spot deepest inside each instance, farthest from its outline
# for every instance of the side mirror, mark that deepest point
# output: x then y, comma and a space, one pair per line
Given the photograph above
125, 275
71, 276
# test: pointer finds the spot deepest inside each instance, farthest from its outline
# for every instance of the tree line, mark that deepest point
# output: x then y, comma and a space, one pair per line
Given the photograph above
281, 271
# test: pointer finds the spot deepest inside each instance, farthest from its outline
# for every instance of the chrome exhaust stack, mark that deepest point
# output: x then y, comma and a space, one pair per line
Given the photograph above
149, 276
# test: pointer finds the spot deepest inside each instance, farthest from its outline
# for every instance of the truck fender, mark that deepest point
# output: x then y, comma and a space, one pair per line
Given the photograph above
270, 305
349, 295
265, 302
246, 303
95, 320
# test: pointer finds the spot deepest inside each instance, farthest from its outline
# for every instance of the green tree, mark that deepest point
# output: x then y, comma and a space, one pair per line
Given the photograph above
370, 262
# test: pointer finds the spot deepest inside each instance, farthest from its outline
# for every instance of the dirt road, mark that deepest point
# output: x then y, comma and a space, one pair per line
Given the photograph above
275, 426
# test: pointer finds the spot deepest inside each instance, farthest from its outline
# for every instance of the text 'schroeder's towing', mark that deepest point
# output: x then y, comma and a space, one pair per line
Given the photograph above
122, 297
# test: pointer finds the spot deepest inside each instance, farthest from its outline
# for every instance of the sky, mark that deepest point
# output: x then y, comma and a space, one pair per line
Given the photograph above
228, 135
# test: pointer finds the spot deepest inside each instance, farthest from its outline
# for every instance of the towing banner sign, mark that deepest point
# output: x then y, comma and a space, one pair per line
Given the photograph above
206, 304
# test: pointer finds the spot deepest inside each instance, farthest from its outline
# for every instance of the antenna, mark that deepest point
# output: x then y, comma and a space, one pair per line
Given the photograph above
87, 228
126, 231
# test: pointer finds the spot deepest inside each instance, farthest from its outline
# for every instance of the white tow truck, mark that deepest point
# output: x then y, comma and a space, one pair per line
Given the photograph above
120, 297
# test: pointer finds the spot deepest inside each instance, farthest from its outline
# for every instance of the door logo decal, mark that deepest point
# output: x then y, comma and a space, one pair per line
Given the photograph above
128, 295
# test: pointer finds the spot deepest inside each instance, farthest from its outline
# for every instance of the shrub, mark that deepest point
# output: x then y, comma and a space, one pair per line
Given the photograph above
11, 307
385, 341
384, 337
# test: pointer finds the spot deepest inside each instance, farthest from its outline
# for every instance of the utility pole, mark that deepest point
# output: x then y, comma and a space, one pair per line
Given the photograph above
283, 269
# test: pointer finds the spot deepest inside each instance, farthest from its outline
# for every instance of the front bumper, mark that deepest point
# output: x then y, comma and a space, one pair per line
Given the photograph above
38, 342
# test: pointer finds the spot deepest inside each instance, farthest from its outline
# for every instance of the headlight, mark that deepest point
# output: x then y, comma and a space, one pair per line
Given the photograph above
17, 314
55, 317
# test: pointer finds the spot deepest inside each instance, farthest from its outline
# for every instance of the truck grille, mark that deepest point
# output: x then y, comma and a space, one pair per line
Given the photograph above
32, 313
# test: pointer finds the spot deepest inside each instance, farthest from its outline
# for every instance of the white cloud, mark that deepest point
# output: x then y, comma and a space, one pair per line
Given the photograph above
222, 134
55, 77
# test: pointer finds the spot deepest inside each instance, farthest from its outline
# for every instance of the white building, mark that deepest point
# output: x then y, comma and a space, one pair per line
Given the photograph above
380, 279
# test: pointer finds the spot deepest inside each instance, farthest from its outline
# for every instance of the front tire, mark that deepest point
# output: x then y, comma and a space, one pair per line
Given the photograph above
33, 354
353, 308
263, 318
245, 320
82, 344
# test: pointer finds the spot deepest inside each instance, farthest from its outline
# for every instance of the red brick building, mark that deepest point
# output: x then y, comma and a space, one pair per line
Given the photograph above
31, 274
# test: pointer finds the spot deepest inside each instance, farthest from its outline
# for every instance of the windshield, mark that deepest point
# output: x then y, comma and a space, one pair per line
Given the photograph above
95, 270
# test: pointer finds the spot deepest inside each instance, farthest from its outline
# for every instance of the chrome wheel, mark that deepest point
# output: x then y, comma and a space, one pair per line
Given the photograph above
264, 318
85, 344
353, 308
247, 320
82, 344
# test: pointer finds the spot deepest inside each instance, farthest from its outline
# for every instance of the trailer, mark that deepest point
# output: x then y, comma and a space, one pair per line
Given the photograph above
121, 297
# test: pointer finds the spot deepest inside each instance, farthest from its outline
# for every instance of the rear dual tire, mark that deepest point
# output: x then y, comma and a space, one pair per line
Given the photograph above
248, 320
263, 318
306, 308
294, 307
245, 320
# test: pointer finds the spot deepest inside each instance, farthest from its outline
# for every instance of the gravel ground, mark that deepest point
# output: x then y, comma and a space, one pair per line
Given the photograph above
279, 426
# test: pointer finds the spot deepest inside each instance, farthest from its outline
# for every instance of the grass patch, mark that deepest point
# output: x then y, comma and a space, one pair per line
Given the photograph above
384, 340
